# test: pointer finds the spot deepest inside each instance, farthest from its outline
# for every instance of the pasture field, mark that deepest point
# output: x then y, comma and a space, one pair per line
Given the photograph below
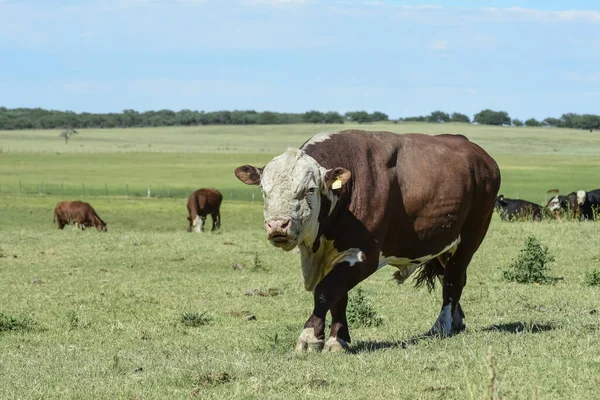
109, 315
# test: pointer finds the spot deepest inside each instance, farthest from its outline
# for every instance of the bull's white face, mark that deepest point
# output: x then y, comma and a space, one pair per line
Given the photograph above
581, 197
292, 184
554, 204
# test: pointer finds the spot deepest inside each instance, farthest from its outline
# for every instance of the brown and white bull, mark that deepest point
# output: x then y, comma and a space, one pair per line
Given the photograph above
202, 203
78, 213
354, 201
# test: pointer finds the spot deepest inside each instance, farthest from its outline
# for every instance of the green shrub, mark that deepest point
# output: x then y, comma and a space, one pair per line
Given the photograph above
194, 319
10, 323
592, 278
532, 264
361, 312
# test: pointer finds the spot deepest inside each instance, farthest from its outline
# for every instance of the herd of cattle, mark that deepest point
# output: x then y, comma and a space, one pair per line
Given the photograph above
201, 203
354, 201
580, 205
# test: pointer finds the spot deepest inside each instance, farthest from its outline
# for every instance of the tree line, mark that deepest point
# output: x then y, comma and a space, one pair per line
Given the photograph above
491, 117
37, 118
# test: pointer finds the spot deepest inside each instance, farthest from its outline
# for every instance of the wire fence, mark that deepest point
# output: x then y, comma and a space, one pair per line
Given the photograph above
135, 190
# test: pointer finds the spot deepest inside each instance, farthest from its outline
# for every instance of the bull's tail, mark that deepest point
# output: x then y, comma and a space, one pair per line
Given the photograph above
428, 274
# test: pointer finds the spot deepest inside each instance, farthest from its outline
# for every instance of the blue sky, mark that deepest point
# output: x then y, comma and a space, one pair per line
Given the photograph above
530, 58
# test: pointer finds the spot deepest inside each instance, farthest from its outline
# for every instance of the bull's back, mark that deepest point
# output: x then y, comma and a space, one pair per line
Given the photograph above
410, 188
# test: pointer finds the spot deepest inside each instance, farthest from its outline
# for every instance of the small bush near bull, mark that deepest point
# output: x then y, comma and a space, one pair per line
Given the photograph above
361, 312
592, 278
532, 264
10, 323
194, 319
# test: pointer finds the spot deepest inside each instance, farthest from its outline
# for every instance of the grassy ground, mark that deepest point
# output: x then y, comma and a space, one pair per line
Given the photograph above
101, 315
175, 161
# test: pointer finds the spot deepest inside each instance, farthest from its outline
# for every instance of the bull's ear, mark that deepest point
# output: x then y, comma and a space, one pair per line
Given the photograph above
248, 174
337, 177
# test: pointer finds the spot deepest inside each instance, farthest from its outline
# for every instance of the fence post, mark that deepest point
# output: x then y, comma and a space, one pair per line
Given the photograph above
517, 195
41, 187
252, 196
231, 195
83, 189
20, 187
149, 191
127, 189
62, 188
168, 192
106, 188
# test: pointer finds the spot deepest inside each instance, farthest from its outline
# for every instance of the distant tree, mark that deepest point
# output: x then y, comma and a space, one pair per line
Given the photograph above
267, 118
438, 116
533, 122
458, 117
358, 116
551, 121
517, 122
566, 120
587, 121
333, 117
313, 117
490, 117
419, 118
67, 133
379, 116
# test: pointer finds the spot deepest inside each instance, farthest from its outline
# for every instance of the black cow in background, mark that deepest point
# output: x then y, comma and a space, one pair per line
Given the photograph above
589, 203
511, 209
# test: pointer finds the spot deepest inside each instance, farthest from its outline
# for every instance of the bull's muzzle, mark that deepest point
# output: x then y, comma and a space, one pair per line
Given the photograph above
278, 231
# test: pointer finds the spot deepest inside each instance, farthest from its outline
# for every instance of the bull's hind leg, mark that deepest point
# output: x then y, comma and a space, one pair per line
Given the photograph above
453, 281
451, 316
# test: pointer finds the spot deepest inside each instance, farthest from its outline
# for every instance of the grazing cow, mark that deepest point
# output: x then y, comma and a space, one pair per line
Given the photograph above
510, 209
201, 203
589, 203
79, 213
355, 201
559, 204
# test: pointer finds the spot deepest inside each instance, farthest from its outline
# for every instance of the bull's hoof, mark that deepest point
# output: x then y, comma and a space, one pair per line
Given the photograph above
443, 325
335, 344
308, 342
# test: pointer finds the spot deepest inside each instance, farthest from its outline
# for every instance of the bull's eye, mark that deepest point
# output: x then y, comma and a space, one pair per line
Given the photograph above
310, 191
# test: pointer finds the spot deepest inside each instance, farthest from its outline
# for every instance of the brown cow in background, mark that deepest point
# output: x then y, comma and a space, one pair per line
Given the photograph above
79, 213
201, 203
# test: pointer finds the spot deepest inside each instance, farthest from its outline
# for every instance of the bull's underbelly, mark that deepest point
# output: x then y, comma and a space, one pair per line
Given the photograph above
407, 266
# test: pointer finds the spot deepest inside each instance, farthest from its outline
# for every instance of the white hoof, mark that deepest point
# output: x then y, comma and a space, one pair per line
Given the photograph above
308, 341
335, 344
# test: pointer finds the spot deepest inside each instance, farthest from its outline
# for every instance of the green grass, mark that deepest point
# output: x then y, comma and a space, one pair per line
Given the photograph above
181, 159
101, 315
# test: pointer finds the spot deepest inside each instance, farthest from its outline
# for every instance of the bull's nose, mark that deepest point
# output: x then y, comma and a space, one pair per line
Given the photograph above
276, 227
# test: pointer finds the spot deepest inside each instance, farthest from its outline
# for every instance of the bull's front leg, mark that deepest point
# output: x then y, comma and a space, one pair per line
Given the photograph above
331, 294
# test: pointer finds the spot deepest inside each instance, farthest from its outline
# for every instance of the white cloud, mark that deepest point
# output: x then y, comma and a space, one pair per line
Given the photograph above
423, 7
439, 45
529, 14
586, 78
274, 3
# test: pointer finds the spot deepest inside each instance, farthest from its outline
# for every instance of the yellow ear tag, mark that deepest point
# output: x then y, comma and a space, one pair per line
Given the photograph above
336, 184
